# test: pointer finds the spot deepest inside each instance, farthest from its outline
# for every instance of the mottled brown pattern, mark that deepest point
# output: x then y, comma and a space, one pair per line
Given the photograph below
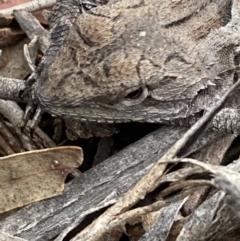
181, 53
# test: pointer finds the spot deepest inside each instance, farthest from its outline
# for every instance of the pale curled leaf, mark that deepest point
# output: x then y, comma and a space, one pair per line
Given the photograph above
32, 176
230, 183
224, 178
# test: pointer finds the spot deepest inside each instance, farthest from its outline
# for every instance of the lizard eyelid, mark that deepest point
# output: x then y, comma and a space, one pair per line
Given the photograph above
134, 98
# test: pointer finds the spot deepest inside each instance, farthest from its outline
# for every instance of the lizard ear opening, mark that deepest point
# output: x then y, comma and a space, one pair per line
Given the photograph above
135, 97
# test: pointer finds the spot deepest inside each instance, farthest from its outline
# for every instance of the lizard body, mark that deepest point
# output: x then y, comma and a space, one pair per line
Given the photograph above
142, 60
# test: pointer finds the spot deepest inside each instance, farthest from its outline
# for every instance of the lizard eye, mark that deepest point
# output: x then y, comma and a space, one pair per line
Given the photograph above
135, 94
135, 97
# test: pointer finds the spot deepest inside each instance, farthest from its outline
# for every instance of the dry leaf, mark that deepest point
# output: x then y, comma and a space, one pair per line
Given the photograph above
32, 176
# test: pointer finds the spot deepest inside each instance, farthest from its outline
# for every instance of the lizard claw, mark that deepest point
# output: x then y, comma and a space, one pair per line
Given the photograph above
28, 85
30, 108
36, 118
28, 114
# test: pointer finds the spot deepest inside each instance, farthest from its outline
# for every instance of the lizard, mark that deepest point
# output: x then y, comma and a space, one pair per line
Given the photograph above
113, 61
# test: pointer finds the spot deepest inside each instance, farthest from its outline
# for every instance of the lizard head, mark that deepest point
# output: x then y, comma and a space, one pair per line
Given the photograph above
125, 63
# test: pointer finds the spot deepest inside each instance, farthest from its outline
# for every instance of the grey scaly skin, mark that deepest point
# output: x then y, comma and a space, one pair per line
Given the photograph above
139, 60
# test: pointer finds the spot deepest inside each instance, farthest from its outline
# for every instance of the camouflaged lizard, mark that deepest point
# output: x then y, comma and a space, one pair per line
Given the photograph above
139, 60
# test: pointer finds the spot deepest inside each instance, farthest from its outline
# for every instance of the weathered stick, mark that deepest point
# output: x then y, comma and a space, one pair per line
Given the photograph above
97, 188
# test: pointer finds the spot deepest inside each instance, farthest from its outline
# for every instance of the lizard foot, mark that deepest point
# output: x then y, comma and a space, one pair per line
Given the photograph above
32, 111
36, 118
28, 114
